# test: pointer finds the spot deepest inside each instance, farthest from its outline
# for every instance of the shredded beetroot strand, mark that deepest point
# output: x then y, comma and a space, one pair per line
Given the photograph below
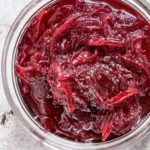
106, 126
106, 43
68, 91
122, 96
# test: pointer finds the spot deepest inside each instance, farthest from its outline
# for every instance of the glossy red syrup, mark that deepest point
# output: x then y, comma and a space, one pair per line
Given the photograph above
83, 69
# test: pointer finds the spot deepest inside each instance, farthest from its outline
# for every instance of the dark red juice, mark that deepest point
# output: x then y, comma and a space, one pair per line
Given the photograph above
83, 69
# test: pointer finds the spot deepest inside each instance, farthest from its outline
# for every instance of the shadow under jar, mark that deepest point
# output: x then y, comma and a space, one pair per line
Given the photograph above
77, 73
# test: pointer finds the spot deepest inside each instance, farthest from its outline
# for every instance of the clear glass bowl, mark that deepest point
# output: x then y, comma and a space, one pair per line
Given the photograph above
15, 99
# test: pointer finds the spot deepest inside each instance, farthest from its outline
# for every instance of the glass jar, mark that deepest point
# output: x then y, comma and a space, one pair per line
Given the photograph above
14, 97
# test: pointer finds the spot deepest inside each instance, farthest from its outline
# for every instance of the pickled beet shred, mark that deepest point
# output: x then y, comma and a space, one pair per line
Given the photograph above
85, 77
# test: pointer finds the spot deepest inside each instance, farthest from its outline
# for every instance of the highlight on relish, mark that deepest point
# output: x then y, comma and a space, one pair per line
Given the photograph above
83, 69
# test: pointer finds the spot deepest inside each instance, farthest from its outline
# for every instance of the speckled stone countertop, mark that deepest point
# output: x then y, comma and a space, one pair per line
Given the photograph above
12, 135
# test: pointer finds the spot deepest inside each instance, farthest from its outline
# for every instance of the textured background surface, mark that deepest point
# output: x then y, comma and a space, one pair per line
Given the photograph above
12, 135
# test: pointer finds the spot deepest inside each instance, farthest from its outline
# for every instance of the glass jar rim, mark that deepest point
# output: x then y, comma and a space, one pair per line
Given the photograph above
15, 100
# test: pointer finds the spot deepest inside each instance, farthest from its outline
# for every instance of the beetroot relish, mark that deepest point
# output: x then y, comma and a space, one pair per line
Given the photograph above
83, 69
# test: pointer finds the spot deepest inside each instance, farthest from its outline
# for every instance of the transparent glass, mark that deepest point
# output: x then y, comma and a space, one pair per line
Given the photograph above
15, 99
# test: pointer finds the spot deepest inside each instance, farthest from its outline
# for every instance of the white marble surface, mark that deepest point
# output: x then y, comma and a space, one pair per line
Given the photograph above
12, 135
